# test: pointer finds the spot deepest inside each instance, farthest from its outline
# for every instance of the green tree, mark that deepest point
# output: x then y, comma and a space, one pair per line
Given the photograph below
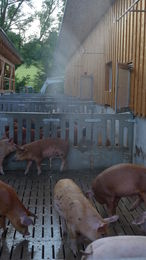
47, 19
37, 50
11, 15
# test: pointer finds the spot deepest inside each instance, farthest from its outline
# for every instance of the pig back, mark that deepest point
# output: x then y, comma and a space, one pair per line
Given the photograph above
57, 146
48, 147
70, 202
121, 179
8, 199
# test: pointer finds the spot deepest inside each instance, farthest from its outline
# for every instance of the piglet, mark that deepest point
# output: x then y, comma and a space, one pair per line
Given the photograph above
118, 247
41, 149
13, 209
118, 181
7, 146
78, 213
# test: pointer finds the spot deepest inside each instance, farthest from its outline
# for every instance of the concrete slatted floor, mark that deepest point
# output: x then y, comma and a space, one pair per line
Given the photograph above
45, 239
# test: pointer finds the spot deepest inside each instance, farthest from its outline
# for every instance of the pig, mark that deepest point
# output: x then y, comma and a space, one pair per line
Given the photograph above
13, 209
118, 181
41, 149
118, 247
7, 146
77, 212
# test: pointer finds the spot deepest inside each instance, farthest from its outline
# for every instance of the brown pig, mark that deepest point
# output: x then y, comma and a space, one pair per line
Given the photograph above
118, 247
41, 149
80, 216
13, 209
118, 181
7, 146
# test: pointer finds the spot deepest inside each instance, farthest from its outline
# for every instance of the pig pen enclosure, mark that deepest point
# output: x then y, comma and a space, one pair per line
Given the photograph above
97, 140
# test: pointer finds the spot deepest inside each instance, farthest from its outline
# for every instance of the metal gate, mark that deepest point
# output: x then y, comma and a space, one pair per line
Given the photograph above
96, 140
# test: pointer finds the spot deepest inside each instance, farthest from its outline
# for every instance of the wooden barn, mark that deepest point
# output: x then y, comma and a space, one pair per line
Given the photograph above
103, 47
9, 57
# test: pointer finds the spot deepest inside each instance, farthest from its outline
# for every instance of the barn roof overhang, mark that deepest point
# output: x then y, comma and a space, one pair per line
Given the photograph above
7, 49
80, 17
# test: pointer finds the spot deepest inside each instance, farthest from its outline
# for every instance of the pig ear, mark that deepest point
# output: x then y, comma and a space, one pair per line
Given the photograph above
11, 140
111, 219
89, 194
102, 228
31, 214
26, 221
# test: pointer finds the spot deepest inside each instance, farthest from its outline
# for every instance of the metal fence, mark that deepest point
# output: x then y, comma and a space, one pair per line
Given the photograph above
96, 140
38, 103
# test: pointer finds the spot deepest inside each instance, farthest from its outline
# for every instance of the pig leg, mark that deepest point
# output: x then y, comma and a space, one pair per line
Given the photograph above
64, 228
136, 203
111, 205
62, 164
3, 224
73, 239
28, 167
38, 163
50, 163
1, 170
1, 167
143, 196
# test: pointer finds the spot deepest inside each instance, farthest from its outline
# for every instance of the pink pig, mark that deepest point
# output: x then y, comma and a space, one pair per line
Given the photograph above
7, 146
80, 216
118, 247
13, 209
41, 149
119, 181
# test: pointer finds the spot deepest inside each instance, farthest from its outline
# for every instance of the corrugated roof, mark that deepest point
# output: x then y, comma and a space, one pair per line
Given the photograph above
80, 17
4, 38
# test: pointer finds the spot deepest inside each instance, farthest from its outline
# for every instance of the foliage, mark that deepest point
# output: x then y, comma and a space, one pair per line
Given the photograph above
12, 16
39, 49
45, 17
16, 39
20, 83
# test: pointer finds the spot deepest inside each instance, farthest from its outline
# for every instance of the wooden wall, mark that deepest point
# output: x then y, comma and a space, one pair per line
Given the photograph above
123, 42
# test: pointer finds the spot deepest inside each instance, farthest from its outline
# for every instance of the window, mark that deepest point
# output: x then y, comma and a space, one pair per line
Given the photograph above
108, 76
123, 86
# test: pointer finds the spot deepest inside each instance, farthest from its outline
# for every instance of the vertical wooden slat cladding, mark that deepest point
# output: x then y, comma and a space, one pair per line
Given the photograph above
144, 68
113, 41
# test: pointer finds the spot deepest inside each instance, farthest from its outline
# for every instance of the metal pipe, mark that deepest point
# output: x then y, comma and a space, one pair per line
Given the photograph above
129, 8
138, 11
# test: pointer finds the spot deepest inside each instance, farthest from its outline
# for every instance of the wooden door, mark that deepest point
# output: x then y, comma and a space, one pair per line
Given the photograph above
86, 87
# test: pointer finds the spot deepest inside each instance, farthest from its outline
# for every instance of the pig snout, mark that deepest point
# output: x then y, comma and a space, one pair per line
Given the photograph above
89, 194
23, 224
26, 233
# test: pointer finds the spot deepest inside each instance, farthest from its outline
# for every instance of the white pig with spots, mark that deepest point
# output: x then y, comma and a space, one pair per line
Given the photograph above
80, 216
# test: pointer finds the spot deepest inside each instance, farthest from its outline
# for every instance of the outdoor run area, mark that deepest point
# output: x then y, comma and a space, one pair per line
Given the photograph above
45, 240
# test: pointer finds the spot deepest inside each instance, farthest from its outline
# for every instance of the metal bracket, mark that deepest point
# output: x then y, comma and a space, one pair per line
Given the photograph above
92, 120
49, 120
130, 120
